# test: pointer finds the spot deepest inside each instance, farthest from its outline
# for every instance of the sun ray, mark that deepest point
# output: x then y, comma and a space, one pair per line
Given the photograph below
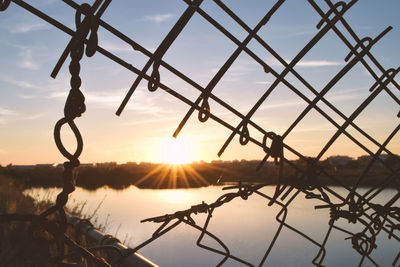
197, 176
172, 177
182, 172
147, 176
163, 174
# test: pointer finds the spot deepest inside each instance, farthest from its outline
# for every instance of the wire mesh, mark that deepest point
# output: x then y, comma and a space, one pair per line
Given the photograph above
306, 178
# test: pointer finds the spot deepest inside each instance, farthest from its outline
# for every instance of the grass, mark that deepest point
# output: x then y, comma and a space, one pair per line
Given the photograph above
17, 246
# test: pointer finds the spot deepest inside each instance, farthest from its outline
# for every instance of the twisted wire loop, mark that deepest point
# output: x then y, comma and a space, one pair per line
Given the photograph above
155, 59
203, 115
4, 4
307, 180
204, 110
155, 77
185, 216
307, 177
74, 108
83, 26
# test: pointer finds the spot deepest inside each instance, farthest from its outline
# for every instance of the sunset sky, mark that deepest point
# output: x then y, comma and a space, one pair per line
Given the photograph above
31, 101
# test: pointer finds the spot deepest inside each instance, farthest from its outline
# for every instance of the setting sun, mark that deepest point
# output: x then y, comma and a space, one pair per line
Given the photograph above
175, 151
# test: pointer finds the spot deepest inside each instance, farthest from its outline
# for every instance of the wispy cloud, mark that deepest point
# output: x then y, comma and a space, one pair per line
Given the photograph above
27, 64
57, 94
140, 122
122, 47
286, 32
159, 17
237, 71
25, 84
112, 99
318, 63
263, 82
305, 63
19, 83
34, 116
304, 32
342, 96
5, 113
321, 127
117, 47
285, 104
144, 103
3, 152
26, 61
26, 96
103, 98
29, 56
29, 27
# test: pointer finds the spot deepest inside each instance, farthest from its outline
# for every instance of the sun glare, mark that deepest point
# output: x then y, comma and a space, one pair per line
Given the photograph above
175, 151
176, 196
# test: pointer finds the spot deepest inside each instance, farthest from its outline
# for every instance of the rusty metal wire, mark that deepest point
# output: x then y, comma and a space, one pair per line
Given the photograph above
294, 179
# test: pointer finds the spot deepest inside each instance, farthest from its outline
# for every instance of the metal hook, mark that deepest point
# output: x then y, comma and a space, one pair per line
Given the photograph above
244, 135
364, 43
83, 27
154, 81
204, 112
334, 8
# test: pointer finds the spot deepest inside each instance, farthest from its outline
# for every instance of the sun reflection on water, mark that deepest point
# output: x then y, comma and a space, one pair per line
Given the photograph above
176, 196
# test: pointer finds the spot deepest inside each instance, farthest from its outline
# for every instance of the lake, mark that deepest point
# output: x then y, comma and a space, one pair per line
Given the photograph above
245, 226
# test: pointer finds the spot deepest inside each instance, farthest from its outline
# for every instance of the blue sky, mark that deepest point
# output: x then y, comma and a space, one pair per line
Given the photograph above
31, 101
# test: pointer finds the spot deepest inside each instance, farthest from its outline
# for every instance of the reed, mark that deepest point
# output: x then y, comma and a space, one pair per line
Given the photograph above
20, 248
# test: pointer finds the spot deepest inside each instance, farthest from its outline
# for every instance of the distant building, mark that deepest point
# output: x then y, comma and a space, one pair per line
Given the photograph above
107, 165
45, 165
27, 167
86, 165
339, 160
130, 163
129, 166
364, 158
367, 158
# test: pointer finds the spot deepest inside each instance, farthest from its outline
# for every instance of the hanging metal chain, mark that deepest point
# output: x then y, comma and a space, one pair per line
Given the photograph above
74, 108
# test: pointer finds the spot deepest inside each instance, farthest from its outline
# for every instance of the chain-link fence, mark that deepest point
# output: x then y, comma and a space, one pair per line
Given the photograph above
306, 177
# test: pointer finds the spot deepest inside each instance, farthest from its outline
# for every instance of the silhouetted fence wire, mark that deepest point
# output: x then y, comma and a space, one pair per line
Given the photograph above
303, 179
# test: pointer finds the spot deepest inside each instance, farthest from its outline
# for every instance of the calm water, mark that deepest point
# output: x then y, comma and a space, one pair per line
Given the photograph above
246, 227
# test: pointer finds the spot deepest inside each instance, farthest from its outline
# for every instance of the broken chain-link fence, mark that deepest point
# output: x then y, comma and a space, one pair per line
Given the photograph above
307, 177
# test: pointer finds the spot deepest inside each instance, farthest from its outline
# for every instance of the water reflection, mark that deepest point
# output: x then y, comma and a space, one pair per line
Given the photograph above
246, 227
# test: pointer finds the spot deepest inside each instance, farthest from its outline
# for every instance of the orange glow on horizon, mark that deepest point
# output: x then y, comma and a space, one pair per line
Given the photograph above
172, 175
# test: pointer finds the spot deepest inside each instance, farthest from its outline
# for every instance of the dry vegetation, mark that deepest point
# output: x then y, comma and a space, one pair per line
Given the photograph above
17, 246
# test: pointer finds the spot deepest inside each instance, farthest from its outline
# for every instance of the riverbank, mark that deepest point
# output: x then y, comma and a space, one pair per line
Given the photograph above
161, 176
18, 245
